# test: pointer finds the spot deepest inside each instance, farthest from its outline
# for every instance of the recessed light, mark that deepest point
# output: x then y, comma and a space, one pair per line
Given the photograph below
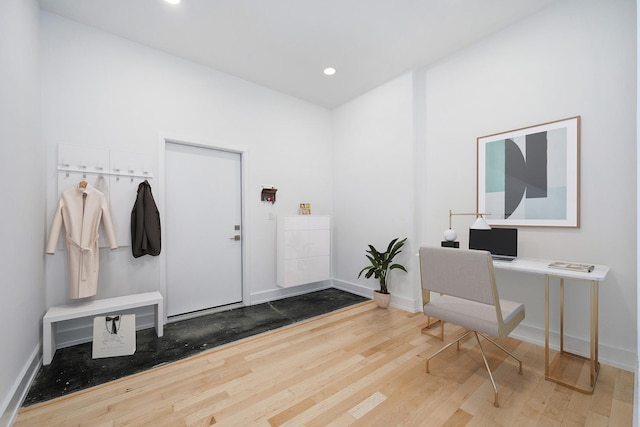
329, 71
173, 1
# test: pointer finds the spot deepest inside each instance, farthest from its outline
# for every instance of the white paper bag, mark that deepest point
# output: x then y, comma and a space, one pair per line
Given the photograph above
114, 335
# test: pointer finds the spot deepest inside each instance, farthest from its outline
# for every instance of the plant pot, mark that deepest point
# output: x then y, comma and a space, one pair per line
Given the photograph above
382, 300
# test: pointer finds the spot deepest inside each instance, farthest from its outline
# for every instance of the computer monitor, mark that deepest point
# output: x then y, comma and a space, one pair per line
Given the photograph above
501, 242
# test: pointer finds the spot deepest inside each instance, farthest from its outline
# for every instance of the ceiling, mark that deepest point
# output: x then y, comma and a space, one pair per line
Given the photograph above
285, 44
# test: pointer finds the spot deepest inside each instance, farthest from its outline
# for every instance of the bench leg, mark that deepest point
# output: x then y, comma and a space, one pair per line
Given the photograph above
159, 314
48, 342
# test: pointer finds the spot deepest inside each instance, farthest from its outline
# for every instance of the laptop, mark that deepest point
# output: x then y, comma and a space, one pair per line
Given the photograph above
501, 242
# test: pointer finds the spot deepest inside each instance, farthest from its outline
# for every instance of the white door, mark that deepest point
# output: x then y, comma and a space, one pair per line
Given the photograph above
203, 203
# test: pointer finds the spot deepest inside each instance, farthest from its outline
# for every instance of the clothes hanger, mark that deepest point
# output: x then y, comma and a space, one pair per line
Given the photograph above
82, 184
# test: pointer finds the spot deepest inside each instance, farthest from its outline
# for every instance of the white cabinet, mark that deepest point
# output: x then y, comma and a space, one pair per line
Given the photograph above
304, 249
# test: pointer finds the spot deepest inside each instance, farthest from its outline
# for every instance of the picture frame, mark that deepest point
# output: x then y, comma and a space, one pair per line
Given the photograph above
531, 176
305, 209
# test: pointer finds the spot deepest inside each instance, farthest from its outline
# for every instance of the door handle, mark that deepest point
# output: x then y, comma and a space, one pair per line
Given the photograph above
236, 237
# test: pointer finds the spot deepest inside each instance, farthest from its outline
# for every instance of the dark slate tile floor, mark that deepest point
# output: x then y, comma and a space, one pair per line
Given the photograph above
73, 369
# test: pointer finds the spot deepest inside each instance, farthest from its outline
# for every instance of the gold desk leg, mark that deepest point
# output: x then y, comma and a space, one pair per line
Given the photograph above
546, 326
594, 364
561, 316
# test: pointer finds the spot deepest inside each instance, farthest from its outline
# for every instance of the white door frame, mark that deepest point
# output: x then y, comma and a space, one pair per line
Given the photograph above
160, 201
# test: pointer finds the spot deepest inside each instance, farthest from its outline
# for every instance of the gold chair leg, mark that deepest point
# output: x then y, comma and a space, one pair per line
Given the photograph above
486, 364
430, 323
457, 341
484, 358
505, 350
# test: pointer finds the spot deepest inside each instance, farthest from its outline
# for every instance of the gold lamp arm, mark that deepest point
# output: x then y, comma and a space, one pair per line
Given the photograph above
477, 214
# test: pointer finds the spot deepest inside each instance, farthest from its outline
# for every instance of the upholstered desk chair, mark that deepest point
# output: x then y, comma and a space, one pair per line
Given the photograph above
469, 297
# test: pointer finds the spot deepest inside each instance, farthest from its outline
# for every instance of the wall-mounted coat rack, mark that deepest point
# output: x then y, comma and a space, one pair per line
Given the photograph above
97, 161
123, 171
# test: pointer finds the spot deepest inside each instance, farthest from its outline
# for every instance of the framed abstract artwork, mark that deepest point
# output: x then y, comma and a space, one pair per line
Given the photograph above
531, 176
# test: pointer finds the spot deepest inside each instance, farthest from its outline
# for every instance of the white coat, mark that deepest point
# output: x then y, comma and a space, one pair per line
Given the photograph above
80, 210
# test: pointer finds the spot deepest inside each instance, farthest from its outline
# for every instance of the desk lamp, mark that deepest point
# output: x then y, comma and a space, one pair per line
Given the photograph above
450, 234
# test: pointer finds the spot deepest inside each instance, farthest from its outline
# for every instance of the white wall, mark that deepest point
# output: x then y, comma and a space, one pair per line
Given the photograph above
403, 154
22, 195
636, 399
574, 58
103, 91
373, 187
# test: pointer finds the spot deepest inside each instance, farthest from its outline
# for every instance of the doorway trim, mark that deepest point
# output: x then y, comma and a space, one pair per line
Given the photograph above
213, 145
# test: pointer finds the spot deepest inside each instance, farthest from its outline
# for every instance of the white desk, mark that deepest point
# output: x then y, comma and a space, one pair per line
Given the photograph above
540, 267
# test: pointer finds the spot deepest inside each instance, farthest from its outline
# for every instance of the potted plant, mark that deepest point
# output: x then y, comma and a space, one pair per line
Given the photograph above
381, 264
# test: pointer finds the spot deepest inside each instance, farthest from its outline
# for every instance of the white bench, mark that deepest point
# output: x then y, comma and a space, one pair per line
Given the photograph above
94, 307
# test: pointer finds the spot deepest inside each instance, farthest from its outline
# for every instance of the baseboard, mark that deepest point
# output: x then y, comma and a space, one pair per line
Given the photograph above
354, 288
276, 294
13, 401
406, 304
612, 356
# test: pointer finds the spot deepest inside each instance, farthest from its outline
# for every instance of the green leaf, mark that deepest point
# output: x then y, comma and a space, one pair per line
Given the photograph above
398, 266
391, 245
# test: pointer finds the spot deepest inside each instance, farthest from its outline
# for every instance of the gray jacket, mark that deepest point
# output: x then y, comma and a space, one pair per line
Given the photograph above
145, 223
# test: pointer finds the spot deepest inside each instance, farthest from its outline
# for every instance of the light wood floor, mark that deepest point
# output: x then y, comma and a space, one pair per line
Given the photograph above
361, 366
